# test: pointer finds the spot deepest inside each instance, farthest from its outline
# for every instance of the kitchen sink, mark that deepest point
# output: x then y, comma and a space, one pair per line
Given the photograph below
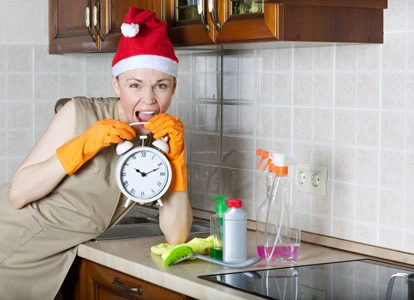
144, 223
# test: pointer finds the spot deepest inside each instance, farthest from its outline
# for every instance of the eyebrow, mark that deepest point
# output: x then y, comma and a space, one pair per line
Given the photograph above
140, 81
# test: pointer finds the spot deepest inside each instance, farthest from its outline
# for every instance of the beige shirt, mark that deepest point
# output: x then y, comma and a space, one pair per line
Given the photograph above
39, 241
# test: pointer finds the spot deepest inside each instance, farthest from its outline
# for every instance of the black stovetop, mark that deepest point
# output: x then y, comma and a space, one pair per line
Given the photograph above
358, 279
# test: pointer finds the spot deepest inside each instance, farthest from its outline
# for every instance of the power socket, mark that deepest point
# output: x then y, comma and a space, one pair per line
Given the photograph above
311, 179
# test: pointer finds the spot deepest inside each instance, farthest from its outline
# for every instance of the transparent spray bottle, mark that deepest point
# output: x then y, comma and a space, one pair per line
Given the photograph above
277, 223
216, 227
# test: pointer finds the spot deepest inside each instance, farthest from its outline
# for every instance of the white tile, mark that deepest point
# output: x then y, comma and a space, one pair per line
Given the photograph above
368, 90
392, 130
344, 164
391, 206
393, 90
323, 89
283, 60
394, 15
322, 127
366, 203
20, 59
366, 166
282, 88
302, 92
367, 128
302, 129
393, 53
392, 164
345, 127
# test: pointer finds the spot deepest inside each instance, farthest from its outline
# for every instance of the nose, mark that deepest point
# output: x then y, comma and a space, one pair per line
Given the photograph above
148, 96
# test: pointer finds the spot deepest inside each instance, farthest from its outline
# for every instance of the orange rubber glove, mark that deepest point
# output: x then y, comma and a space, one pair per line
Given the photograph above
103, 133
162, 125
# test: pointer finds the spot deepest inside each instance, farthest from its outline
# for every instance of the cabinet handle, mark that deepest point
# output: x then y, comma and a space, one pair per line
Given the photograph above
88, 20
213, 15
95, 20
126, 288
200, 8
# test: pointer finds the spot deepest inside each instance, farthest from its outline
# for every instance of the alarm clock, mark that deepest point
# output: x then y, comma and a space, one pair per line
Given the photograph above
143, 174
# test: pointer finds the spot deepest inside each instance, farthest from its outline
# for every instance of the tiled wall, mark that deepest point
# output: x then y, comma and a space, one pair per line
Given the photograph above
348, 107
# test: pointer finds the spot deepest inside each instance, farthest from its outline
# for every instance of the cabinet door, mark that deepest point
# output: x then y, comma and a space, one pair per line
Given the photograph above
112, 13
243, 21
99, 282
67, 27
68, 20
188, 22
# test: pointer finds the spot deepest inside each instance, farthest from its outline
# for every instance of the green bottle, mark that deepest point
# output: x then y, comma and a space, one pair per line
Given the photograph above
216, 227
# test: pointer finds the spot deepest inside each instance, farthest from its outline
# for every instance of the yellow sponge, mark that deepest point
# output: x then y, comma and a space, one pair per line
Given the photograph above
198, 245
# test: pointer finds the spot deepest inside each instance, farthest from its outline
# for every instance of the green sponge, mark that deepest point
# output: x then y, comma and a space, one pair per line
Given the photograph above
177, 254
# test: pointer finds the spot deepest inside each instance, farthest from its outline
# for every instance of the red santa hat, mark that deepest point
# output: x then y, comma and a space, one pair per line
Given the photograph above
144, 44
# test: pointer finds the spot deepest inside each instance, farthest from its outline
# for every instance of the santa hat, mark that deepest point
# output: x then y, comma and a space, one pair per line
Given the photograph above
144, 44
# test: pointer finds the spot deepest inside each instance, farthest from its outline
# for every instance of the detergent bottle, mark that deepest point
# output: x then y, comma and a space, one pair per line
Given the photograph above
234, 232
216, 227
278, 224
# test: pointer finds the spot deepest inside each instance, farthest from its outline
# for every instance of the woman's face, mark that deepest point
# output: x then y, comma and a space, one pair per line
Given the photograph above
143, 94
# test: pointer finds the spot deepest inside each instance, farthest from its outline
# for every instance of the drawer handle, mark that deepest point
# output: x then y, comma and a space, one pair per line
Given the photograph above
96, 22
200, 9
213, 15
126, 288
87, 20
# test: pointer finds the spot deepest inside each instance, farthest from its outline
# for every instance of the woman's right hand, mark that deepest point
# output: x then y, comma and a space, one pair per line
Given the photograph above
82, 148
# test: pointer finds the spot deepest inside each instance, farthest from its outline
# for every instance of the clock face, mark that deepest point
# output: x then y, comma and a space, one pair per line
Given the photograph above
143, 174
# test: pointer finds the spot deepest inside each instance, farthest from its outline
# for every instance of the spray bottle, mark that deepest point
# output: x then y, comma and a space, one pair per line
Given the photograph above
278, 224
216, 227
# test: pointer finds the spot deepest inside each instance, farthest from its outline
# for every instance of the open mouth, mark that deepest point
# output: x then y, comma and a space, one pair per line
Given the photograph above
144, 116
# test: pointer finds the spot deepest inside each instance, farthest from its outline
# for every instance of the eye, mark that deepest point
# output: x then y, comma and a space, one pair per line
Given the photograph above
135, 86
161, 86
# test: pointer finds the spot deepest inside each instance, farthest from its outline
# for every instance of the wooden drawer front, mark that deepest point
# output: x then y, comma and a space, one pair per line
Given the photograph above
99, 284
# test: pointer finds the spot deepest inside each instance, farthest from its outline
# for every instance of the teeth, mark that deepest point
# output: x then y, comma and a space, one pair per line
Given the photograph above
147, 112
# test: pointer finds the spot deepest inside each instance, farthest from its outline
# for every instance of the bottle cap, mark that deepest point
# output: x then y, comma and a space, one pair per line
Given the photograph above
221, 207
236, 203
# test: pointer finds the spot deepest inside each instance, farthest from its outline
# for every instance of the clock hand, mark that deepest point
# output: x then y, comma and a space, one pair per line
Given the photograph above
152, 171
142, 173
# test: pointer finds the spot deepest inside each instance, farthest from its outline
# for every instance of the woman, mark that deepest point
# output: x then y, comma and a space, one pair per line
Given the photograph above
65, 192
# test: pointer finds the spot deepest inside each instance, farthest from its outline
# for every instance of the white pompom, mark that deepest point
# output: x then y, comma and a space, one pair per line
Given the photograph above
129, 30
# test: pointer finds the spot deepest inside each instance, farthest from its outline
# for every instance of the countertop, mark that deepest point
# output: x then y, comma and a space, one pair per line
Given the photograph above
134, 257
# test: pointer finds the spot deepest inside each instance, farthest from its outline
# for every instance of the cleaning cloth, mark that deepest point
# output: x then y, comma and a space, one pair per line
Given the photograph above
198, 245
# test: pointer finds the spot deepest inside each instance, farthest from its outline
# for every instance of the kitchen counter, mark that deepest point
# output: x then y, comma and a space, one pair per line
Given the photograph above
134, 257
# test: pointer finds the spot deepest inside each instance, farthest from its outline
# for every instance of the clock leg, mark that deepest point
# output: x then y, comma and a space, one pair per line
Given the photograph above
160, 202
127, 202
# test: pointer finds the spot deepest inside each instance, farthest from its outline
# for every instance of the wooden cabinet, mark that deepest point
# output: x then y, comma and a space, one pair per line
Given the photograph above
94, 25
90, 25
99, 282
231, 21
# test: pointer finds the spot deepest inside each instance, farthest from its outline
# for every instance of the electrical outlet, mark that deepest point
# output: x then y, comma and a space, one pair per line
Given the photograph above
311, 179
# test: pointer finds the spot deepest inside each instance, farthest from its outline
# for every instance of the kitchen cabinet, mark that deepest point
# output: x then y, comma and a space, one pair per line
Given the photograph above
99, 282
90, 25
231, 21
94, 25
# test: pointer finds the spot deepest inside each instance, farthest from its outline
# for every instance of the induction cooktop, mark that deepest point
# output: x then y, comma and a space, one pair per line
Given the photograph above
363, 279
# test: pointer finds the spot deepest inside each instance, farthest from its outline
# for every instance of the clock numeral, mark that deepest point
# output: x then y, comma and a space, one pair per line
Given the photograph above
125, 183
123, 174
160, 164
162, 174
143, 154
153, 156
152, 191
159, 183
142, 194
133, 156
133, 191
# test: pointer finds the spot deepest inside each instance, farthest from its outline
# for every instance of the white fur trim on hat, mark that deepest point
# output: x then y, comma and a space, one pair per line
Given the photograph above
129, 30
155, 62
